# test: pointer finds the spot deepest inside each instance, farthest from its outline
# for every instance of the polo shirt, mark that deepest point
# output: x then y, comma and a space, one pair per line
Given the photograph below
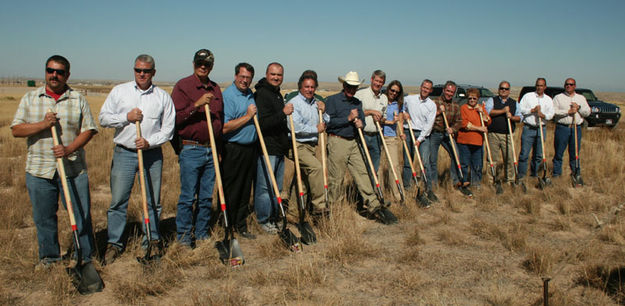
235, 106
371, 101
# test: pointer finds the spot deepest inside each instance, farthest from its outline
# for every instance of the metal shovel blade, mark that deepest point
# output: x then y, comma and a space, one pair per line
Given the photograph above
498, 188
308, 235
86, 279
230, 252
290, 240
149, 257
577, 181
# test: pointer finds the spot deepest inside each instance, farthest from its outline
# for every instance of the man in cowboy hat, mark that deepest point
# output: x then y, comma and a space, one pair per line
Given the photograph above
346, 116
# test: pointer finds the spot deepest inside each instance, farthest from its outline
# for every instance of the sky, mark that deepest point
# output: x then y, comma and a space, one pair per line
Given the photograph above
470, 42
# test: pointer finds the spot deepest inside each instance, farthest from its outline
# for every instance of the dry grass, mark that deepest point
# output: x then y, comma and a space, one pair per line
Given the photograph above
486, 250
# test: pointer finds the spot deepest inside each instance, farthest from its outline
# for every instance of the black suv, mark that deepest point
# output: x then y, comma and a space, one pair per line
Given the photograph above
601, 113
460, 96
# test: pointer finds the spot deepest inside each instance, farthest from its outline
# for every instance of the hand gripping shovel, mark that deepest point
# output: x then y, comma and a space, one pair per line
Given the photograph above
148, 257
493, 171
308, 235
324, 162
288, 238
544, 180
85, 277
421, 197
229, 249
577, 174
390, 162
516, 163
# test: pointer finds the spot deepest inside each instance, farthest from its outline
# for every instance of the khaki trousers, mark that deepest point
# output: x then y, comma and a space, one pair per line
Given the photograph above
501, 148
344, 155
312, 180
385, 175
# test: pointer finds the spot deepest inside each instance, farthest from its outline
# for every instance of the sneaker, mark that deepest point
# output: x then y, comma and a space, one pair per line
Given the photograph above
269, 228
431, 196
390, 217
111, 254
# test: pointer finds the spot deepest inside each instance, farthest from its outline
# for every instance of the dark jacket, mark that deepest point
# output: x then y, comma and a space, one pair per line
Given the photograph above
272, 120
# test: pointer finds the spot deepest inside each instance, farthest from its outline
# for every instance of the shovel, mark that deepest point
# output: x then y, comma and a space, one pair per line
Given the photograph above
543, 181
516, 163
323, 161
372, 174
577, 175
84, 276
390, 162
229, 249
308, 235
493, 171
421, 196
148, 257
288, 238
453, 147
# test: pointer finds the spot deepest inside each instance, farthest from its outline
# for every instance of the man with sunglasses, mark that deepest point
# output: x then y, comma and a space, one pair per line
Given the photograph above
129, 103
502, 108
197, 170
57, 106
570, 108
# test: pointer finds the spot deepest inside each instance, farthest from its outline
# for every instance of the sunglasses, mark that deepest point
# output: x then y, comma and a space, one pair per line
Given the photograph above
472, 98
200, 64
60, 72
504, 88
569, 84
146, 71
394, 91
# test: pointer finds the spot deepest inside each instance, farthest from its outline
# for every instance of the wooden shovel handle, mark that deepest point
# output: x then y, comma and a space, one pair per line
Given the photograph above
323, 153
144, 197
272, 176
61, 168
220, 187
388, 154
369, 162
296, 157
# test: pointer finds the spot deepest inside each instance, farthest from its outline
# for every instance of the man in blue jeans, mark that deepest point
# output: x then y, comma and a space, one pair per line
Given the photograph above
70, 115
197, 169
128, 103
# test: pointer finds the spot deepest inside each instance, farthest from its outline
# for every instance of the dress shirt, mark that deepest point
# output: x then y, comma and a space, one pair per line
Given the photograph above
305, 118
371, 101
490, 104
562, 105
191, 120
338, 107
235, 106
422, 114
159, 115
390, 129
529, 101
74, 118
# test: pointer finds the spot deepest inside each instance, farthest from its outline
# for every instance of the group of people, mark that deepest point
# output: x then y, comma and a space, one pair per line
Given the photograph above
359, 124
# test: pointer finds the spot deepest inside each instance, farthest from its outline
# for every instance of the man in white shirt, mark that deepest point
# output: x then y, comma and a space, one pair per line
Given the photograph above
374, 105
570, 108
534, 105
136, 101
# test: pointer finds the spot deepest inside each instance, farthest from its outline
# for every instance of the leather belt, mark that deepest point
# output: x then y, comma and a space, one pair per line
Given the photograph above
344, 138
194, 143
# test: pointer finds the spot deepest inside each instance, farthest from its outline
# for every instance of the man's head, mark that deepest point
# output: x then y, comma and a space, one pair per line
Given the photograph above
307, 85
541, 85
569, 86
504, 89
145, 69
203, 61
449, 90
57, 73
378, 78
350, 81
426, 88
274, 74
243, 75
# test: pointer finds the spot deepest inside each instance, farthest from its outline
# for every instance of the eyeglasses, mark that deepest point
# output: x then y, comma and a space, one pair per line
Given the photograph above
504, 88
471, 98
60, 72
146, 71
569, 84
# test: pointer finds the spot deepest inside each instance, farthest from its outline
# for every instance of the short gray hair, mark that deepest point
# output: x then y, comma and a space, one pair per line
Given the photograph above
379, 73
144, 58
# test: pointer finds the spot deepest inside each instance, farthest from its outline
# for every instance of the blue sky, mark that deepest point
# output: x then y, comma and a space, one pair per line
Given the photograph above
475, 42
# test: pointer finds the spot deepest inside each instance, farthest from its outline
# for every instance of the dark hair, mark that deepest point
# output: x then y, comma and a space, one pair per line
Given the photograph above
247, 67
58, 59
473, 91
543, 79
311, 73
271, 64
307, 75
400, 94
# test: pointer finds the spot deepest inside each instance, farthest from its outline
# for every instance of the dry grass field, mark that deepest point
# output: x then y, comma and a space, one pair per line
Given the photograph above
491, 250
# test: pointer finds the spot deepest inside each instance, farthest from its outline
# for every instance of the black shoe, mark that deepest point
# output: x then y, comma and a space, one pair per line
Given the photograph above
389, 216
466, 191
432, 197
247, 235
379, 216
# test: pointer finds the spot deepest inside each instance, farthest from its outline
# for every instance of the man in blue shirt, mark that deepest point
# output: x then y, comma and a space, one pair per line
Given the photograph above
240, 153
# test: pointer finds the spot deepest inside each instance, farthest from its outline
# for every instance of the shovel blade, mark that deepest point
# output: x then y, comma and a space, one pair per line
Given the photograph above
308, 235
498, 188
577, 181
86, 279
423, 200
230, 252
290, 240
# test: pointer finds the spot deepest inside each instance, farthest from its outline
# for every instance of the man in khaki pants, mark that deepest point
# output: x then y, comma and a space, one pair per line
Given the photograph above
346, 116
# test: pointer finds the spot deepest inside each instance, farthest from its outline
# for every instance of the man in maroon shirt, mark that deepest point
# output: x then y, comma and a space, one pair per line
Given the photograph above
197, 172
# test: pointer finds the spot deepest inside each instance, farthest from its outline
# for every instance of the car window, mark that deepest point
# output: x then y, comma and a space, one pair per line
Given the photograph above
437, 91
588, 94
485, 93
460, 92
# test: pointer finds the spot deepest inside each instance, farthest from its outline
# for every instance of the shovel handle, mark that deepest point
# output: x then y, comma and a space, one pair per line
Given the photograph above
323, 154
414, 142
220, 187
388, 154
296, 158
144, 197
369, 162
272, 176
453, 146
490, 157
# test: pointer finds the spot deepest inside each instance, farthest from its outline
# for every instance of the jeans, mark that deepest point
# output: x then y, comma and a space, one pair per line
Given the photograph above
563, 137
436, 140
471, 157
265, 201
44, 194
424, 150
197, 177
123, 169
374, 145
530, 140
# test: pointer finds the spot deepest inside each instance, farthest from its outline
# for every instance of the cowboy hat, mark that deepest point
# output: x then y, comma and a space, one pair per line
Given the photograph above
351, 78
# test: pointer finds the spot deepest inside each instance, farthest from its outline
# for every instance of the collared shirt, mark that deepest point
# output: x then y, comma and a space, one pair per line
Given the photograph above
452, 112
422, 114
371, 101
529, 101
74, 118
235, 106
191, 121
391, 109
470, 116
562, 105
159, 115
490, 104
338, 107
306, 118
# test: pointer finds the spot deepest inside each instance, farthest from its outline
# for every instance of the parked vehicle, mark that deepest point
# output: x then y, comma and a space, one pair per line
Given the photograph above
460, 96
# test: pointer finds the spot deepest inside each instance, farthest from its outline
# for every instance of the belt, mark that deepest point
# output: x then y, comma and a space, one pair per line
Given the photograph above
132, 150
310, 143
194, 143
565, 125
533, 127
344, 138
371, 133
